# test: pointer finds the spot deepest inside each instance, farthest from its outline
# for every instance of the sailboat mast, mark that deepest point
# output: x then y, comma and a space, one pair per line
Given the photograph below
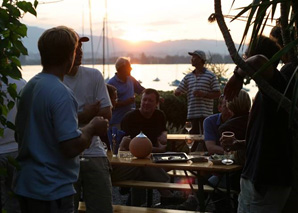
91, 35
104, 39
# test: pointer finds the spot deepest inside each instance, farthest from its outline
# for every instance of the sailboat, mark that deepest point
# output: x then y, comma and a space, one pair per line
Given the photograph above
176, 82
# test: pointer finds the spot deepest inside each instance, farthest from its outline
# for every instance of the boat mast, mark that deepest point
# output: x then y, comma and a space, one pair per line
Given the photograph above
104, 39
91, 34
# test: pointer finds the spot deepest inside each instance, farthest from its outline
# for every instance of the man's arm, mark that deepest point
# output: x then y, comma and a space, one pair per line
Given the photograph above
235, 83
73, 147
105, 112
177, 92
163, 138
213, 148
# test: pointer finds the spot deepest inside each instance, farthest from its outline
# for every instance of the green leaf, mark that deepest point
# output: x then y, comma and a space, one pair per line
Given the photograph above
10, 125
4, 110
14, 162
35, 3
19, 45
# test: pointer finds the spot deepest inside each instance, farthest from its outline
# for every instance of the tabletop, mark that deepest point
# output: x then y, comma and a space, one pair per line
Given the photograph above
189, 165
182, 136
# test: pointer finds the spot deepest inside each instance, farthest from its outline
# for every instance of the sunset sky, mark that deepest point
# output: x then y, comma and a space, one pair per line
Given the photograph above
137, 20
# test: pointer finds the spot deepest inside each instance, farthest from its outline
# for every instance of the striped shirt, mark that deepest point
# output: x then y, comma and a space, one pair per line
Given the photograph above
197, 106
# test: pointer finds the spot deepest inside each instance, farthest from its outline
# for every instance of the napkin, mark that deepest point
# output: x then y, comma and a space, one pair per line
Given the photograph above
115, 136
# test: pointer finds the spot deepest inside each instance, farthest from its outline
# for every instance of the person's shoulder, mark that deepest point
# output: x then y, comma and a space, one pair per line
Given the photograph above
131, 115
209, 72
212, 117
89, 70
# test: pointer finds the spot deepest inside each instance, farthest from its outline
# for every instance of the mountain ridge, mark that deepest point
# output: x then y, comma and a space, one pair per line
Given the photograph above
120, 47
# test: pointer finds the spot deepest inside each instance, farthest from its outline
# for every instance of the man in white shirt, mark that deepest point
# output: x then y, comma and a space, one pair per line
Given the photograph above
90, 91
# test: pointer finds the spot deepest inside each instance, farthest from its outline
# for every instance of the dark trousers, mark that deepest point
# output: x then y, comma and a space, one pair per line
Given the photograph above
197, 128
62, 205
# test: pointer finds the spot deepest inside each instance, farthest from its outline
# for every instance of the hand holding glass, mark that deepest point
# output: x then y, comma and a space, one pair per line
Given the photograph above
227, 150
188, 126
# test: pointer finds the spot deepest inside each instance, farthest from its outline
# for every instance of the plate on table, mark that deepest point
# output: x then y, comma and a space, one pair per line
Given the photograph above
216, 159
169, 157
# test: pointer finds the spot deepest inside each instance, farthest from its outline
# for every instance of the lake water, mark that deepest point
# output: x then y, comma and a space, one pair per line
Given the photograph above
146, 73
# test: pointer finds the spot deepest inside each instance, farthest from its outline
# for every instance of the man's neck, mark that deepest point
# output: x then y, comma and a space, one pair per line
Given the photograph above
58, 71
74, 70
122, 77
199, 69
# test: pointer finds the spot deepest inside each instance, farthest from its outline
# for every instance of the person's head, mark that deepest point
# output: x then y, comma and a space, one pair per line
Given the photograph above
123, 66
113, 94
276, 35
79, 51
149, 102
241, 104
264, 46
198, 58
226, 114
57, 47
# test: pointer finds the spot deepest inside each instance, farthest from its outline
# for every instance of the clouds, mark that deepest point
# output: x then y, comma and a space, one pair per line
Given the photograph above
134, 20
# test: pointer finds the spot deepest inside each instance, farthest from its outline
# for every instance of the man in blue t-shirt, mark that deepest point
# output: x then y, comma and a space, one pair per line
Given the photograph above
127, 86
47, 129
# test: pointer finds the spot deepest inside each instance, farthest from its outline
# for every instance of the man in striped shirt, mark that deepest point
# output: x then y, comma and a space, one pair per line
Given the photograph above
201, 87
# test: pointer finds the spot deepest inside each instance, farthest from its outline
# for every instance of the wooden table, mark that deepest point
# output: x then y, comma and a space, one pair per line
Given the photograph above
181, 137
198, 168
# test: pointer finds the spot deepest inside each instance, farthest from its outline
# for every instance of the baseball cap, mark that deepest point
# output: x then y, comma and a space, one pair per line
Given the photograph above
83, 39
199, 53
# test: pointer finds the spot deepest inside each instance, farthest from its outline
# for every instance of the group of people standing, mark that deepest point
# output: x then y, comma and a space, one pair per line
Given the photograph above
64, 111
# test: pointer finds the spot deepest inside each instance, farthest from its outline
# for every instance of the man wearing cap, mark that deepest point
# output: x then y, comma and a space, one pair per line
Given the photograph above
126, 86
90, 91
201, 87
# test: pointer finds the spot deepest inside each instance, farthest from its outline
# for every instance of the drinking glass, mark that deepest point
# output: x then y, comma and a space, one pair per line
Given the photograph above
227, 152
82, 158
189, 140
188, 126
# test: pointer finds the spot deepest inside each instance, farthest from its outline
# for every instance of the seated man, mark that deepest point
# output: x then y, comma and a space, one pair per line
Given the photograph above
211, 125
152, 123
148, 119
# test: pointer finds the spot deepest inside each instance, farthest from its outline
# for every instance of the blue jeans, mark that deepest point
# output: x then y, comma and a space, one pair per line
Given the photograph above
261, 199
95, 185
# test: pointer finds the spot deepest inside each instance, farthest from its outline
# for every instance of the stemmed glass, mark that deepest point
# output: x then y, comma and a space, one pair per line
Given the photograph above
188, 126
227, 152
82, 158
189, 140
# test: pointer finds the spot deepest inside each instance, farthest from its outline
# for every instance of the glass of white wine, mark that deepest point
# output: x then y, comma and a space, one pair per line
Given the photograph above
189, 140
188, 126
227, 152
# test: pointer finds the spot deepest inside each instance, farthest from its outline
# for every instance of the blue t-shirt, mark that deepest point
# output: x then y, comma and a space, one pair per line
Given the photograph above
125, 90
47, 115
211, 125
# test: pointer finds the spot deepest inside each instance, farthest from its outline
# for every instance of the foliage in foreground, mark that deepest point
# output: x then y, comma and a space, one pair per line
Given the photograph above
11, 48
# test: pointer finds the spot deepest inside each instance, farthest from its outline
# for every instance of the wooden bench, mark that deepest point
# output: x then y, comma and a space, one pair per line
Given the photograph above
159, 185
132, 209
179, 173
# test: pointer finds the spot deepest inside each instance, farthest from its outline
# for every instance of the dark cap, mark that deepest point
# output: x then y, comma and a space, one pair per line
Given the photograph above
199, 53
83, 39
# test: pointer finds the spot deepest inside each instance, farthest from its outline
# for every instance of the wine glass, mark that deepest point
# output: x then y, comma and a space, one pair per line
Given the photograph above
227, 152
188, 126
189, 140
82, 158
